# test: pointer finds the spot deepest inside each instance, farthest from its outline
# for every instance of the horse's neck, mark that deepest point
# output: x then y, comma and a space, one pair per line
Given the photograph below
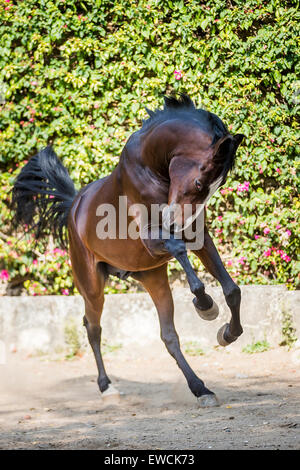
140, 178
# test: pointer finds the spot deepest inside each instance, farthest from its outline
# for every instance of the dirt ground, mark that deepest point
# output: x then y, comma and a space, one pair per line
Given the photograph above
55, 404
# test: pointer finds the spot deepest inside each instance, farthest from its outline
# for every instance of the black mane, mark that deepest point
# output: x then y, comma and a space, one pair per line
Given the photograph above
184, 108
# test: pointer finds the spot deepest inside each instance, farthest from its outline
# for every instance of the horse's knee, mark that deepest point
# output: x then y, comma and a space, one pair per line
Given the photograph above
171, 341
93, 330
175, 247
233, 296
170, 338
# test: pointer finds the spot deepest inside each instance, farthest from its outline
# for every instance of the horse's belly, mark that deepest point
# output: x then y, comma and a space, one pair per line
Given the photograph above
127, 255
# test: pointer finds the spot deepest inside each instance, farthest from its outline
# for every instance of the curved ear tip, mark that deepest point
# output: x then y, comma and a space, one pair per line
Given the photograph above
238, 138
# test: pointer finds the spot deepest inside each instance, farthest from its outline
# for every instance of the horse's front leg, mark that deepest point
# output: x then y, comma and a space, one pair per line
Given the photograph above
156, 283
205, 306
213, 263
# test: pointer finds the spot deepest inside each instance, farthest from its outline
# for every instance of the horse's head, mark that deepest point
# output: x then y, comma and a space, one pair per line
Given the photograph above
197, 169
192, 149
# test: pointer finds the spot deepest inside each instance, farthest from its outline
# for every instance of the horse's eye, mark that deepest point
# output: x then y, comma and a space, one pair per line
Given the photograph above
198, 185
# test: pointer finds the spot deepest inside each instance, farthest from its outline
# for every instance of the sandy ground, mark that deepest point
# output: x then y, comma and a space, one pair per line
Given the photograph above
55, 404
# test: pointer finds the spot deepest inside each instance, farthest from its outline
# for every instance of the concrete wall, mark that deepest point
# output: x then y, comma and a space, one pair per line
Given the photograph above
45, 323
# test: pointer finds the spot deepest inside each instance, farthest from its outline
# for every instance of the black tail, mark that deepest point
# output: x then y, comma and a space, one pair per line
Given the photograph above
43, 194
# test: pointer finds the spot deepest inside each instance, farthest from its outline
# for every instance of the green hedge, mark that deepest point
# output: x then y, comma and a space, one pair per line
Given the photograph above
80, 73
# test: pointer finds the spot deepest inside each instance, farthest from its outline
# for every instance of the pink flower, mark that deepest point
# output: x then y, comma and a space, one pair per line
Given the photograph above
278, 226
35, 262
266, 231
243, 187
34, 83
229, 263
267, 252
178, 74
242, 260
220, 217
65, 292
288, 233
4, 275
282, 254
226, 190
278, 170
256, 237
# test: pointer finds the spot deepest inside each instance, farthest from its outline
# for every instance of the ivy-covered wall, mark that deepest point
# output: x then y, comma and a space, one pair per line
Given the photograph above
80, 73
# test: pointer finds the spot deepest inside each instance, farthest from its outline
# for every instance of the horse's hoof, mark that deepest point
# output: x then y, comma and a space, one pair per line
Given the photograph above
208, 401
210, 314
224, 337
111, 395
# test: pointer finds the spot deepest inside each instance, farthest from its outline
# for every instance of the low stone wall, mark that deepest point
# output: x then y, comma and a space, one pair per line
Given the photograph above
52, 323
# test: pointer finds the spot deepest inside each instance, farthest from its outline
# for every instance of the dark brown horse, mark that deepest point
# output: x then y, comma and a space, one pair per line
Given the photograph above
179, 156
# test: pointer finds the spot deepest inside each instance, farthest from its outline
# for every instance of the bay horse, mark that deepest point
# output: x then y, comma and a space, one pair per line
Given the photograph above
180, 155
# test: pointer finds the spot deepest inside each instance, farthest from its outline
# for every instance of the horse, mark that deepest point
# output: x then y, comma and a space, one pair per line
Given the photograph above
180, 155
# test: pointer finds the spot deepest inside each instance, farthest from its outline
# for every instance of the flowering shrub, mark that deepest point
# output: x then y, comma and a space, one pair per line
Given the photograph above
80, 74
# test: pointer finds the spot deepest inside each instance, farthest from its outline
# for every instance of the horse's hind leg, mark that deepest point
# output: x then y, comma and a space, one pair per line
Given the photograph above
156, 283
91, 320
90, 280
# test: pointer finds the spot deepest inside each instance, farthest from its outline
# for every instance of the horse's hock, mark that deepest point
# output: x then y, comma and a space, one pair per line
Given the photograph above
48, 324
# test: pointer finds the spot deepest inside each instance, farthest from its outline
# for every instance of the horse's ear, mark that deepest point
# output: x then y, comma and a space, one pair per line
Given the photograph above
226, 146
237, 138
223, 147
